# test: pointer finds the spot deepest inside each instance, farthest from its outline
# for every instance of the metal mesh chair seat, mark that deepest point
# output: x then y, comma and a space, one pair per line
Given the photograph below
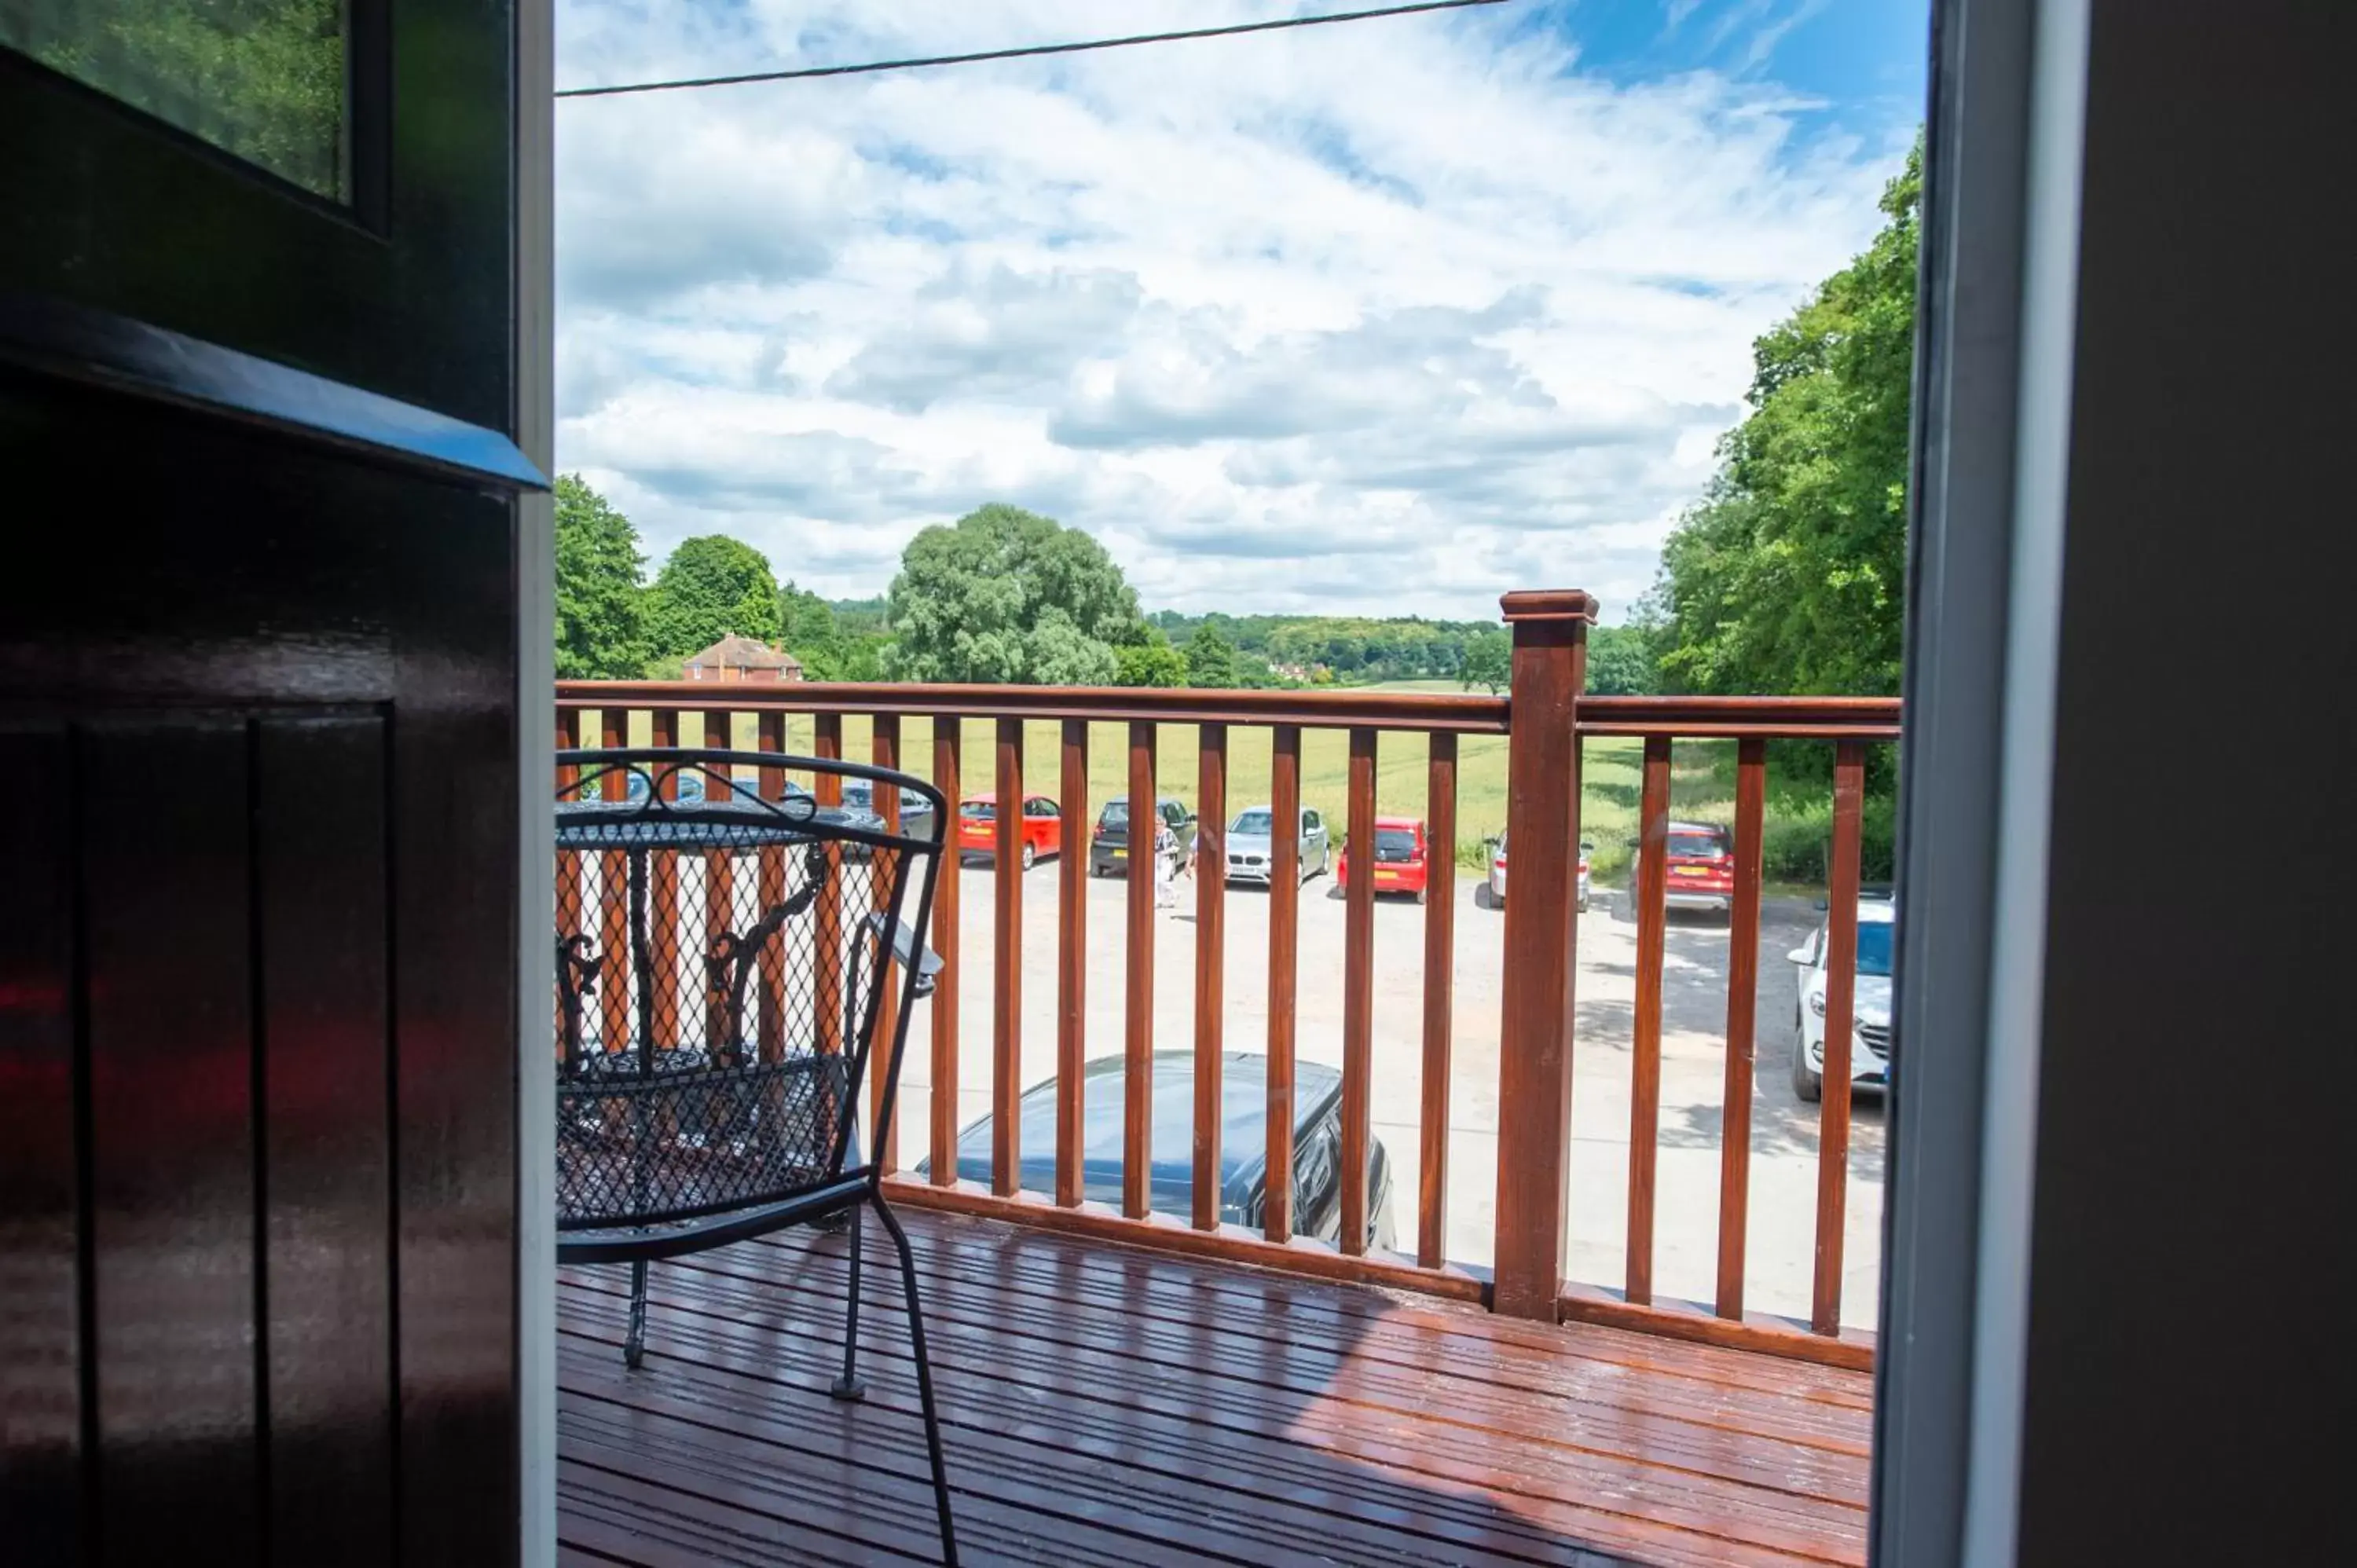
731, 962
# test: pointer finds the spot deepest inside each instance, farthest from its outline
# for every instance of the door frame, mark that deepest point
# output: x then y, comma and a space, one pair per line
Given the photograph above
1993, 386
534, 417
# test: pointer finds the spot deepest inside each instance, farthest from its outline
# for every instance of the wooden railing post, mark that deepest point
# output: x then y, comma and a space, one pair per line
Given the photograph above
1550, 659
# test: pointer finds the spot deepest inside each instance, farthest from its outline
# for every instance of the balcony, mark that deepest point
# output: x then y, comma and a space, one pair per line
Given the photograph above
1621, 1313
1107, 1404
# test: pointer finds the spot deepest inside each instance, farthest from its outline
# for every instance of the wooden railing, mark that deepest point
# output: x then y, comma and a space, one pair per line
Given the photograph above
1544, 719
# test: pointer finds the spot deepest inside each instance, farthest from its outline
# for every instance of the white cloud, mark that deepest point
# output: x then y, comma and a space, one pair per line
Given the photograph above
1393, 316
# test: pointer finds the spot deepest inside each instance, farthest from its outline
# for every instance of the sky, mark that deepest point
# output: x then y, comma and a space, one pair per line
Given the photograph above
1385, 317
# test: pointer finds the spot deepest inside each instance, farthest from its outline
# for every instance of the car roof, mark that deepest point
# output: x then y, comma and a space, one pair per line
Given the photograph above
1875, 911
1243, 1119
1399, 821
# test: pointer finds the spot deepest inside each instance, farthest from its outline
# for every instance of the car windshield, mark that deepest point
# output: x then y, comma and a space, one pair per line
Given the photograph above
1116, 812
1704, 845
1395, 844
979, 811
1252, 823
1873, 947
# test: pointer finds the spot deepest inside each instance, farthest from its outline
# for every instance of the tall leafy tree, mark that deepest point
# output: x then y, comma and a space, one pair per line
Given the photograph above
1621, 661
1150, 663
1210, 659
601, 622
1007, 596
712, 585
1487, 661
1789, 576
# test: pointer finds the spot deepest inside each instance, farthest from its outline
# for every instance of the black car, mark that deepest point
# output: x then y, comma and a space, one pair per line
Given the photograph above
1109, 846
1243, 1143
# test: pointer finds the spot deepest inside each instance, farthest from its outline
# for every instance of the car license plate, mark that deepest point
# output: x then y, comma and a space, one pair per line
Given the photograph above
1119, 853
1690, 871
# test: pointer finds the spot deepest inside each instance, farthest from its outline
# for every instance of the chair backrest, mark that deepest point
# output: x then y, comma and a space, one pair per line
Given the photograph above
725, 933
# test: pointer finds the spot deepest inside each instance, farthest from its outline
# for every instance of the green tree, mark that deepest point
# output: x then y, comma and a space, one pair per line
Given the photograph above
1789, 576
601, 618
1620, 661
1210, 659
1007, 596
712, 585
1151, 664
1487, 662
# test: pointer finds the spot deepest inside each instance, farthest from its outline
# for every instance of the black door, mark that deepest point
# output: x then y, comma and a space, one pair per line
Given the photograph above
258, 781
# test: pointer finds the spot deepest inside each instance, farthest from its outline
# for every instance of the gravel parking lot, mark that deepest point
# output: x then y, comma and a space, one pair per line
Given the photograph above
1783, 1132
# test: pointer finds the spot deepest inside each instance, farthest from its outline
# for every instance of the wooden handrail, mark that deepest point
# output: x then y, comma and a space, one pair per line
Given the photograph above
1546, 718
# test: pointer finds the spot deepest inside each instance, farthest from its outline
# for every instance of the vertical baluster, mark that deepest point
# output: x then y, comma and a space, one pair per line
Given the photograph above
1072, 966
1210, 959
1742, 1001
1439, 997
826, 913
719, 900
662, 897
1284, 934
1841, 994
1645, 1058
1138, 1018
948, 754
568, 900
613, 902
1007, 967
1357, 989
884, 751
769, 735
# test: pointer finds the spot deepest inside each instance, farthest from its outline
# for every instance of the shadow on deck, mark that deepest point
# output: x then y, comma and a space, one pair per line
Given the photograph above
1104, 1405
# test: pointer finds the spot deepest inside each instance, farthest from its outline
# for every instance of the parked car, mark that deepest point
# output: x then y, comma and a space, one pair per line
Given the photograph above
1498, 871
1251, 855
1109, 846
1698, 869
1243, 1143
916, 811
1041, 830
1869, 1051
1402, 857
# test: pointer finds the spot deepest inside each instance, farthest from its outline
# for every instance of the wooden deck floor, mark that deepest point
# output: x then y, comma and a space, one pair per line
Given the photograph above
1110, 1405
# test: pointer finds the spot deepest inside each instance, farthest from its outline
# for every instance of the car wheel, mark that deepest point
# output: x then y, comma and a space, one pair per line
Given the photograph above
1808, 1085
1421, 894
1583, 903
1031, 854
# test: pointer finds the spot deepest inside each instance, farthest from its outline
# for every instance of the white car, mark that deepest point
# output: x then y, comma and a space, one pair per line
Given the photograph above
1869, 1051
1498, 871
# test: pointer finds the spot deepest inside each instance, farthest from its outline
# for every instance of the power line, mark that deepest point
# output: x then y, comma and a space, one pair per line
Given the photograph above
1025, 52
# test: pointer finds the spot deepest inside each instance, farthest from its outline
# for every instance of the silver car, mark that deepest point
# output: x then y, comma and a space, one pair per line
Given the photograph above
1252, 856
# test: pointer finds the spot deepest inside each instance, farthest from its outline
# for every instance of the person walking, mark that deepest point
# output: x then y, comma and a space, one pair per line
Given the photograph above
1167, 855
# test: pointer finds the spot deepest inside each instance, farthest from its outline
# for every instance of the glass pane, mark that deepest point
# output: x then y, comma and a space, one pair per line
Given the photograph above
262, 79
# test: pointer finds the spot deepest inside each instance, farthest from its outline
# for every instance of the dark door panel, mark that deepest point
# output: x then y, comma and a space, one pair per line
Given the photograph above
260, 738
403, 287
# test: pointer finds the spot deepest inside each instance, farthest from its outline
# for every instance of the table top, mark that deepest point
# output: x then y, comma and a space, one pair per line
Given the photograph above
631, 824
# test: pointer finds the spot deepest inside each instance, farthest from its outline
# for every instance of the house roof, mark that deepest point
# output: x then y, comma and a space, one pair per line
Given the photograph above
737, 652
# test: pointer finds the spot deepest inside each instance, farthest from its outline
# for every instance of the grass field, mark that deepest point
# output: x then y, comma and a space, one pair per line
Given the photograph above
1700, 782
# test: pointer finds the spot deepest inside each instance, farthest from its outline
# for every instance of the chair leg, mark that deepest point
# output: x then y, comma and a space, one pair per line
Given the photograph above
849, 1385
634, 1346
924, 1378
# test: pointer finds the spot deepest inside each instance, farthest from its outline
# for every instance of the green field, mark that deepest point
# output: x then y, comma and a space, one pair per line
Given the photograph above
1700, 785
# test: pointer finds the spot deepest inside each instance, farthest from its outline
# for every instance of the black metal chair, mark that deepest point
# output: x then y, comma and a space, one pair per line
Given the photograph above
722, 967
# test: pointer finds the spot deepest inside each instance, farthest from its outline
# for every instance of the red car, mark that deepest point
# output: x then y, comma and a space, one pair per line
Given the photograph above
1042, 827
1403, 858
1700, 867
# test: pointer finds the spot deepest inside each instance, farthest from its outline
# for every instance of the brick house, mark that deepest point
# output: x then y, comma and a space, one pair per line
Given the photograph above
735, 658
